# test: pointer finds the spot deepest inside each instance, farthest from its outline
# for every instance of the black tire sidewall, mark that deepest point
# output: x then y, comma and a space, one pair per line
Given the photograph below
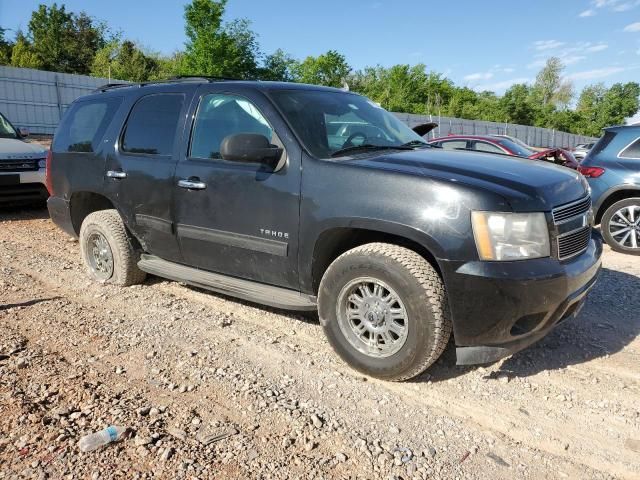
421, 337
87, 230
604, 226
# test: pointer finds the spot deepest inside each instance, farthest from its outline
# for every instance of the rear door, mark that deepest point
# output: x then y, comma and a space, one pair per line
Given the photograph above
139, 174
238, 219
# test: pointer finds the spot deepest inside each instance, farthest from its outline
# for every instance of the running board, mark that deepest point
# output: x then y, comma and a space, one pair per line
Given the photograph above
277, 297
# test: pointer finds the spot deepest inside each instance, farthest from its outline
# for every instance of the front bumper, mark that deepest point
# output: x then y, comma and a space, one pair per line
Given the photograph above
22, 187
499, 308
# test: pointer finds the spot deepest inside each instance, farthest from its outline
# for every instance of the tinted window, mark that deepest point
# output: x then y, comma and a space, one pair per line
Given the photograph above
220, 116
601, 144
152, 124
6, 129
515, 148
632, 151
487, 147
84, 125
454, 144
328, 121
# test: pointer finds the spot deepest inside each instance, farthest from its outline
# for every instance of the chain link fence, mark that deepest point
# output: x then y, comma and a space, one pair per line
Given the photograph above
36, 99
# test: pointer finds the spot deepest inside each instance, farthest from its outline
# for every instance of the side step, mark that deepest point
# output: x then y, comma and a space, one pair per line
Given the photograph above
235, 287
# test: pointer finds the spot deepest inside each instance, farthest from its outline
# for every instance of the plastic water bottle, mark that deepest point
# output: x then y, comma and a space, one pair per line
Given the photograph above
93, 441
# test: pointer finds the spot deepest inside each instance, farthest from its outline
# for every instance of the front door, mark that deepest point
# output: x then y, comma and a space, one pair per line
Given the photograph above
139, 174
238, 219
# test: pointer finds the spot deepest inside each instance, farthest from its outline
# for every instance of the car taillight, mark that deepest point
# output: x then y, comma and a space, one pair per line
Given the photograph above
591, 172
47, 175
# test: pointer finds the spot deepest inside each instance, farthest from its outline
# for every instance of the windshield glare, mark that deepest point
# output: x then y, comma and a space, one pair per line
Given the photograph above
329, 121
6, 130
515, 147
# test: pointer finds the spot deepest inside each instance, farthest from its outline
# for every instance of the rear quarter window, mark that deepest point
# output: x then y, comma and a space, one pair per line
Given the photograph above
603, 143
84, 125
632, 151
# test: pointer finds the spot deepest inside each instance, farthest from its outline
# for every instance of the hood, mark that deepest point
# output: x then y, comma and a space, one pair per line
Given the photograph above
525, 185
424, 128
12, 149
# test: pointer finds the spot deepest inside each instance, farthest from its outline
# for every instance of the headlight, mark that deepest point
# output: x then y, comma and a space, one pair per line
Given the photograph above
42, 163
510, 236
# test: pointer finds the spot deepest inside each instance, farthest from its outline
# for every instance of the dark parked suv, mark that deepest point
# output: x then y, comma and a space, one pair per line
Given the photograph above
255, 190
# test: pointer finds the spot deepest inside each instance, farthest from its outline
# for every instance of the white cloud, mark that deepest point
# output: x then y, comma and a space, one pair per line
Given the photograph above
587, 13
478, 76
500, 87
508, 70
569, 54
542, 45
596, 73
633, 27
634, 120
612, 5
597, 48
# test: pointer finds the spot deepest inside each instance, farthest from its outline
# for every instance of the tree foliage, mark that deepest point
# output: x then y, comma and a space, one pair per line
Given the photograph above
63, 41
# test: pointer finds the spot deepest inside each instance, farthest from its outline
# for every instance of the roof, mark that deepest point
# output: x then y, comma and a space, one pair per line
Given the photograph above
262, 85
487, 138
622, 127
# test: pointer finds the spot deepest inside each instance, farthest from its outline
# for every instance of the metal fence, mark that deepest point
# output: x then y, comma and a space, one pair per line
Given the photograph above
36, 100
535, 136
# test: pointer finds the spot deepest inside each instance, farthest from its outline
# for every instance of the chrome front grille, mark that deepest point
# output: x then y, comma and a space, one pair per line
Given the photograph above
569, 211
573, 223
25, 165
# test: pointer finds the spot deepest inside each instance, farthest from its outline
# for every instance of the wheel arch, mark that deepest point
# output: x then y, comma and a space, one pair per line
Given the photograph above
84, 203
337, 239
615, 195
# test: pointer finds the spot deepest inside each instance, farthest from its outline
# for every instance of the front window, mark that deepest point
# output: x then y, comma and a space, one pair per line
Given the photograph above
329, 122
6, 129
516, 148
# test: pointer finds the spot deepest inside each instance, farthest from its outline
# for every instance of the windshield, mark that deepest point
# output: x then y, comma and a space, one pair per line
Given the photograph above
327, 122
6, 130
516, 148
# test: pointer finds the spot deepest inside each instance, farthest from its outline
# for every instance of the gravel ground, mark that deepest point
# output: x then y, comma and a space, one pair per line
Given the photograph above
210, 387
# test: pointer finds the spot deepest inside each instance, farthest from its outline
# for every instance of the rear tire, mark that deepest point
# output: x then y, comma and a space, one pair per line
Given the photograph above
109, 252
620, 226
383, 309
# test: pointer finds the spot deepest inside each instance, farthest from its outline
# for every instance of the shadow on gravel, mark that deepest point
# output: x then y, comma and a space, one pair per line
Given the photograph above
35, 212
28, 303
609, 321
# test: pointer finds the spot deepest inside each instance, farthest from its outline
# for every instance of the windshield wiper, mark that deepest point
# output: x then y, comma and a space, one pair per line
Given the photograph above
368, 146
418, 143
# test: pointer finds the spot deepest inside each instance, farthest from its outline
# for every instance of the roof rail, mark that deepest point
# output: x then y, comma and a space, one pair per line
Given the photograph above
176, 79
208, 78
109, 86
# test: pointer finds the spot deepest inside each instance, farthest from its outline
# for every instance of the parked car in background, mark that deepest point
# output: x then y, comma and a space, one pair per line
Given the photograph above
504, 146
612, 168
582, 149
305, 197
520, 142
22, 167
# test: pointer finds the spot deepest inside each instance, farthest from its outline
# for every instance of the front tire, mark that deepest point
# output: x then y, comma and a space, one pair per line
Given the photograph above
620, 226
108, 251
383, 309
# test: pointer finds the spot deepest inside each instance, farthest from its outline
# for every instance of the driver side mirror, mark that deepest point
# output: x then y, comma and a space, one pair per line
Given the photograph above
23, 132
250, 148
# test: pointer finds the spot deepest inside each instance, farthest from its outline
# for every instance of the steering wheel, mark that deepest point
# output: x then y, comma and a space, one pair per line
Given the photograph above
349, 141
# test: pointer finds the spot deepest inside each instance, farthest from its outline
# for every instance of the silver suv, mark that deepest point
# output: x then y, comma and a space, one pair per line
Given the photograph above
22, 167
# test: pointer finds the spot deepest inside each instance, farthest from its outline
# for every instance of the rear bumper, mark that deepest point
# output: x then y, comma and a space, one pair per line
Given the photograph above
18, 188
499, 308
60, 213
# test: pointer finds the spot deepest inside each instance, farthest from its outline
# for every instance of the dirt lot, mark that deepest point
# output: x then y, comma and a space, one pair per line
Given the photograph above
214, 388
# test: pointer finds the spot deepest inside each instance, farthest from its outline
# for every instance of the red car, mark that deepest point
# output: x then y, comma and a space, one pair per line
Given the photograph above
490, 144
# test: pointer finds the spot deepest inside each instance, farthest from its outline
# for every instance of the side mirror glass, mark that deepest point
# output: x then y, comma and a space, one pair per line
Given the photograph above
23, 132
250, 148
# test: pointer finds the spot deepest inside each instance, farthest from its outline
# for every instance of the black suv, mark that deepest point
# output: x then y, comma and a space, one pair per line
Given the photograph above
303, 197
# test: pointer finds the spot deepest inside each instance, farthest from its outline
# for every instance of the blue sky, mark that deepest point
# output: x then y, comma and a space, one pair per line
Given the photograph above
488, 44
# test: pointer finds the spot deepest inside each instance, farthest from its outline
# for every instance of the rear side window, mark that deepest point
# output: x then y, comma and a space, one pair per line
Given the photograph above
454, 145
84, 125
487, 147
152, 123
603, 143
632, 151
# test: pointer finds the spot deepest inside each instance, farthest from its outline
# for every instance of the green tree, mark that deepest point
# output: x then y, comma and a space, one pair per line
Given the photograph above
125, 61
63, 41
516, 104
5, 49
618, 103
215, 48
330, 69
22, 54
550, 88
279, 66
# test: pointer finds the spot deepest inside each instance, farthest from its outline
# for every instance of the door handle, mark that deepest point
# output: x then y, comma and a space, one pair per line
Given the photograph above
192, 184
116, 174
